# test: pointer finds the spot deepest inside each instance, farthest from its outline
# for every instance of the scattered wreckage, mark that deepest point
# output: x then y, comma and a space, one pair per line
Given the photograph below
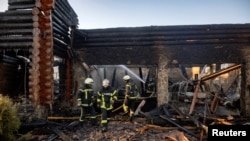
192, 107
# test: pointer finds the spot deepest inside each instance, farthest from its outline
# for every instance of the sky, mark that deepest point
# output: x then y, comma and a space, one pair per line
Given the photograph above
96, 14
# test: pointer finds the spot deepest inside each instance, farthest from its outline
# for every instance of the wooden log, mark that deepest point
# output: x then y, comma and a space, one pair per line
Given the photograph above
55, 17
194, 100
58, 32
16, 13
44, 19
16, 45
61, 14
16, 19
25, 6
20, 1
35, 11
168, 38
214, 103
16, 38
59, 7
16, 31
46, 25
203, 43
126, 33
44, 5
15, 25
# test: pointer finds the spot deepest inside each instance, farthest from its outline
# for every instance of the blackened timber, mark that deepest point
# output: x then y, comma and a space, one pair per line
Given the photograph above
16, 38
70, 14
61, 32
164, 33
25, 6
59, 17
17, 12
56, 18
62, 38
16, 45
166, 38
9, 60
16, 19
166, 43
63, 13
62, 43
59, 21
20, 1
16, 25
16, 31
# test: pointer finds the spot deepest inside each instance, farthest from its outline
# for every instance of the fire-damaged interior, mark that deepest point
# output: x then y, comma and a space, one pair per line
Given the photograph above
200, 73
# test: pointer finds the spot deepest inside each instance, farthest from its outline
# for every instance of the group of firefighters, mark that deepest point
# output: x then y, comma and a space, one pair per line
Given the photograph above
104, 100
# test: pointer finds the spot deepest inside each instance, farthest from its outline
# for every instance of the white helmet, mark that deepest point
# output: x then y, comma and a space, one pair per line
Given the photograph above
89, 81
105, 83
126, 77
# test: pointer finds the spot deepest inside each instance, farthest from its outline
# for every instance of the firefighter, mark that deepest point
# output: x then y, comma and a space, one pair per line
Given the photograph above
130, 97
86, 100
106, 97
150, 87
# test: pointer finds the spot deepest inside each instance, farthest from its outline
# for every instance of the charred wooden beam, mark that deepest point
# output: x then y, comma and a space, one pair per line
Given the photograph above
63, 10
166, 43
56, 17
16, 31
25, 6
169, 38
16, 19
16, 25
62, 33
8, 59
126, 33
17, 13
16, 45
16, 39
20, 1
182, 128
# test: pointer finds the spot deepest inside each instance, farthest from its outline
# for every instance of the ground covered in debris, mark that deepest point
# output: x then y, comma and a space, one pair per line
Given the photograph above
118, 130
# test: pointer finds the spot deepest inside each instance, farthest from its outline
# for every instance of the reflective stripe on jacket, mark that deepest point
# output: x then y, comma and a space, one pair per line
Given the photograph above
106, 96
86, 96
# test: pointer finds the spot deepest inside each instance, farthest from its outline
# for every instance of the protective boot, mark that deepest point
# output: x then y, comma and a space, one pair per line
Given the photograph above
104, 128
93, 122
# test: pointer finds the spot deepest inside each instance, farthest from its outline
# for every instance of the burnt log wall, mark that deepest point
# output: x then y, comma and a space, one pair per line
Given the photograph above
38, 30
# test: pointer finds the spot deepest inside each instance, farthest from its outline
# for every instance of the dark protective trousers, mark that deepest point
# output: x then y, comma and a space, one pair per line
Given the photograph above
85, 110
105, 117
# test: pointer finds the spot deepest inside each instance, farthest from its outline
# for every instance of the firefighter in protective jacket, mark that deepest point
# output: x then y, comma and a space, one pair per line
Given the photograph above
130, 97
105, 100
86, 101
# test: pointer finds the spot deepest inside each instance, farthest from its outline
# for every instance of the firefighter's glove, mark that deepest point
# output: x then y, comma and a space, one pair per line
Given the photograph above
98, 106
79, 103
112, 101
